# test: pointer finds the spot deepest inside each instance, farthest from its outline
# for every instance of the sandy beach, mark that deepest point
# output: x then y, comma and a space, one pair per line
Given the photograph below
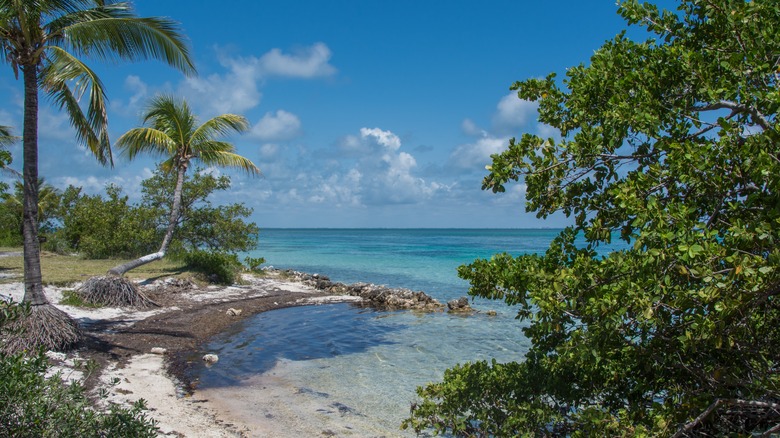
142, 351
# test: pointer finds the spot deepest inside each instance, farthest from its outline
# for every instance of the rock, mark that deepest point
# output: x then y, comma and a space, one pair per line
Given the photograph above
233, 312
374, 295
159, 350
461, 305
491, 313
210, 359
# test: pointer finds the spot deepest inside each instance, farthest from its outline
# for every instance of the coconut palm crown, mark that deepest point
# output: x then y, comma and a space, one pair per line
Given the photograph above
46, 40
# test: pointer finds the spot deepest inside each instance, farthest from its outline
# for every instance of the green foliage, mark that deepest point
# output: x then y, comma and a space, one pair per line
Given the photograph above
11, 211
671, 146
201, 225
10, 221
98, 227
72, 298
253, 263
33, 405
216, 266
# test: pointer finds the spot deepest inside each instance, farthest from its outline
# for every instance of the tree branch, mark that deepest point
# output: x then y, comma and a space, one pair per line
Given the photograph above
759, 118
728, 402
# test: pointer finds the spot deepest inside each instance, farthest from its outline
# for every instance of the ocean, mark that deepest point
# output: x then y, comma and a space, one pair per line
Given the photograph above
341, 370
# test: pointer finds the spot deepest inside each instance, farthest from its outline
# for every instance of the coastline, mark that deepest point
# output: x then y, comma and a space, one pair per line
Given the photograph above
120, 341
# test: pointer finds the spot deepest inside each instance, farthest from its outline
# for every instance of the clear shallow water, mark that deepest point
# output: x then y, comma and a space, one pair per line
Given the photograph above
350, 369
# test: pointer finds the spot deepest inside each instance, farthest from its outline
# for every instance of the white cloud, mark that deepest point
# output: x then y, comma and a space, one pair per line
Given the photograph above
269, 151
54, 126
384, 138
388, 174
547, 131
470, 128
513, 112
308, 62
234, 92
139, 89
281, 125
238, 90
339, 190
130, 184
476, 155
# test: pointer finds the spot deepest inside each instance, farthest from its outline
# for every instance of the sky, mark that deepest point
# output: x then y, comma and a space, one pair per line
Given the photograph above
363, 113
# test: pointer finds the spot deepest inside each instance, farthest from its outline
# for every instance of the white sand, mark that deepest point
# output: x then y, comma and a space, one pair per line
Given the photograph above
145, 377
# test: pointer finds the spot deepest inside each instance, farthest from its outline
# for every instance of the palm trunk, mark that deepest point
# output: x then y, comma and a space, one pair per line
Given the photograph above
33, 286
172, 221
45, 326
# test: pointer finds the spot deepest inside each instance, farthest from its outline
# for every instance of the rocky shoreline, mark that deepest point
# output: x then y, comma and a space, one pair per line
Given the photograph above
377, 296
150, 351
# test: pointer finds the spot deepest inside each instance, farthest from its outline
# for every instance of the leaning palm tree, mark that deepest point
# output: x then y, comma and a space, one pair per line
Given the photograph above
46, 39
173, 133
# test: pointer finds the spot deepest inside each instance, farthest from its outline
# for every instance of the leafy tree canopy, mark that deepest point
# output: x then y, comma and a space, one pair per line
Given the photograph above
109, 226
670, 144
200, 224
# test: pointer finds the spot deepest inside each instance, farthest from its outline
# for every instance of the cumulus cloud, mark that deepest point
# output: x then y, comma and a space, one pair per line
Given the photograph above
372, 169
384, 138
238, 89
476, 155
139, 89
269, 151
339, 190
130, 184
388, 173
233, 92
513, 112
470, 128
280, 125
308, 62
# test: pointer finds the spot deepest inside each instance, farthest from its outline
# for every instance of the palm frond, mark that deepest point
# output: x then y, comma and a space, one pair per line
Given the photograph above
92, 128
145, 140
224, 124
172, 116
6, 136
228, 159
112, 31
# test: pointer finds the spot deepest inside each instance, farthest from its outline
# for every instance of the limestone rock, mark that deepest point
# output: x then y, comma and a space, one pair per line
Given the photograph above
460, 305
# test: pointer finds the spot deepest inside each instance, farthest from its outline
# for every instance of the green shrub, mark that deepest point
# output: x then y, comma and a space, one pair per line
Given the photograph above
215, 266
253, 263
33, 405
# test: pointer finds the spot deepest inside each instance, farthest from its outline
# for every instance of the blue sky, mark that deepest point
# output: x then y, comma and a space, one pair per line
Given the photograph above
364, 113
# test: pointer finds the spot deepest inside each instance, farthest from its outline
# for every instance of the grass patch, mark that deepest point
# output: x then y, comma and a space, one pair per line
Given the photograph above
62, 270
71, 298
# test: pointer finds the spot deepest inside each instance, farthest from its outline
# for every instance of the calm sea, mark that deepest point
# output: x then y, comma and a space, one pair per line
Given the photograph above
354, 371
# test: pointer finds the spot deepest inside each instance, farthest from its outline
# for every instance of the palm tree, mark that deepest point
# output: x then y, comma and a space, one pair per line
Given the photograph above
48, 201
174, 133
5, 139
44, 39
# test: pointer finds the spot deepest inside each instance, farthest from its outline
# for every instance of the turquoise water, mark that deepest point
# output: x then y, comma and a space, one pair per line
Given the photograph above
363, 364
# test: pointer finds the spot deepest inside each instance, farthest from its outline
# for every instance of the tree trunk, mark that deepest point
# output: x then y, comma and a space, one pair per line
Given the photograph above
172, 220
33, 286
